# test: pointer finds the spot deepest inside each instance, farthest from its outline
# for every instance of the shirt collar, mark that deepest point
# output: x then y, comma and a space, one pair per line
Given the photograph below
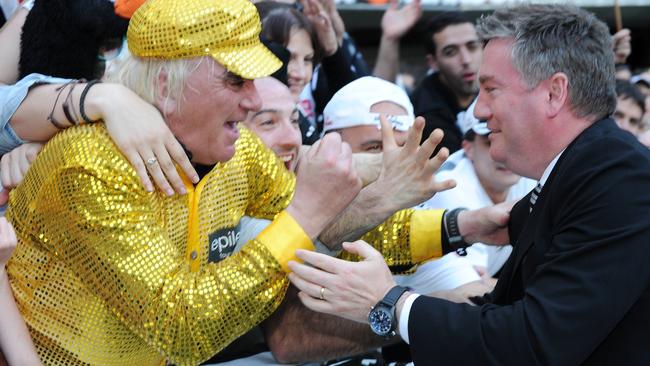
549, 169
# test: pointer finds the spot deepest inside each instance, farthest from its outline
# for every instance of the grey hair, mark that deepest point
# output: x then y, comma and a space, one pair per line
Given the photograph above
559, 38
142, 76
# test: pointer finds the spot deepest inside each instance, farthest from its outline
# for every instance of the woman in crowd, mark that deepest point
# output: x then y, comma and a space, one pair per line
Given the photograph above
312, 43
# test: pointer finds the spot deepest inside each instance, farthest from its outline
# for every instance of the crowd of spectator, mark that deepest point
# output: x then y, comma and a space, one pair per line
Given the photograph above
168, 165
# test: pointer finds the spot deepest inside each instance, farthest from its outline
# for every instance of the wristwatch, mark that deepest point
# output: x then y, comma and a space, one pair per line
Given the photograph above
382, 317
456, 240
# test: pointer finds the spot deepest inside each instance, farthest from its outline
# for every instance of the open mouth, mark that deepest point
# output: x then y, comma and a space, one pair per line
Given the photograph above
287, 159
231, 125
469, 76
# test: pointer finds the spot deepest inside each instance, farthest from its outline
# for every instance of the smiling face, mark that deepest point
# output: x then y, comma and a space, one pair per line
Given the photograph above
458, 56
276, 123
513, 112
213, 102
301, 61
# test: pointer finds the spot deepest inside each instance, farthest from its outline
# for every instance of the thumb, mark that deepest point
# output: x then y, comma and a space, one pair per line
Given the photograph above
362, 249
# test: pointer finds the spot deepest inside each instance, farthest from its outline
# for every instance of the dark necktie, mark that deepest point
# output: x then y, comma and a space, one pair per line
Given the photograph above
534, 196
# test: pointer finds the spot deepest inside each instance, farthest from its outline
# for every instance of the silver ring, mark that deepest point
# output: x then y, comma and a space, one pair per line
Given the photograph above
322, 293
152, 161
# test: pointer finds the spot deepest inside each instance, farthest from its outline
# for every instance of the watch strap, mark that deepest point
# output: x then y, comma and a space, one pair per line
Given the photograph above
393, 295
456, 240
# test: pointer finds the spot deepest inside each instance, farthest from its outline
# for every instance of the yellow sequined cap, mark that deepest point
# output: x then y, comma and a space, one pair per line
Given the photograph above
227, 30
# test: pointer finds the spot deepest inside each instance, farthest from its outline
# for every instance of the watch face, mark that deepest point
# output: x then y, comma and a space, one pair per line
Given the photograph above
381, 320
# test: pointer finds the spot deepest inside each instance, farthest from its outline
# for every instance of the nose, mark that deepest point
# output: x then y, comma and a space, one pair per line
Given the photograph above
290, 136
465, 56
482, 111
296, 69
251, 101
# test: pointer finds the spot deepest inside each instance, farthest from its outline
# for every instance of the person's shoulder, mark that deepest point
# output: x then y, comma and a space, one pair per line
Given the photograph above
85, 142
88, 147
253, 156
610, 143
427, 95
250, 146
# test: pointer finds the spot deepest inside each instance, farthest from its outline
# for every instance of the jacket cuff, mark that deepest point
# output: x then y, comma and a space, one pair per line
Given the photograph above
425, 235
283, 237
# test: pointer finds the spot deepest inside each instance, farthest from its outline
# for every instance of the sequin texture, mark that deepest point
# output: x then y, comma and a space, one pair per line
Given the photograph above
227, 30
103, 272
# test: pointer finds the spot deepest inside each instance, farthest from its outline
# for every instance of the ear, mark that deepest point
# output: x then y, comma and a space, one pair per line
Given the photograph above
468, 147
431, 62
557, 93
165, 102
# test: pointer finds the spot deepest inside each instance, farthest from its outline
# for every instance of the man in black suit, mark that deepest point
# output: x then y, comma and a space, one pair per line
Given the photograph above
576, 289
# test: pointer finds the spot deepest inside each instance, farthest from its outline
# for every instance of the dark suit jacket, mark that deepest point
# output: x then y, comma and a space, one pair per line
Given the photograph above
576, 289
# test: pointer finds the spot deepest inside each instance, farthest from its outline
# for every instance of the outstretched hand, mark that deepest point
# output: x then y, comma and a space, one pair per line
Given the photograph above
320, 19
408, 171
397, 21
622, 45
338, 287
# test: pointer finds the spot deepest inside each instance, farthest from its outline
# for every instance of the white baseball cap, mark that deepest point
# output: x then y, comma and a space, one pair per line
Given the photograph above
466, 121
350, 106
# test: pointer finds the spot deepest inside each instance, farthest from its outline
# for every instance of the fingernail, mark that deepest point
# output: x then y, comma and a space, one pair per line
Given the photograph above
183, 190
169, 191
195, 179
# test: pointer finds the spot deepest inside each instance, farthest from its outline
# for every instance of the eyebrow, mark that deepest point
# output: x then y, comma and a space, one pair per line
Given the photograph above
273, 110
268, 110
485, 78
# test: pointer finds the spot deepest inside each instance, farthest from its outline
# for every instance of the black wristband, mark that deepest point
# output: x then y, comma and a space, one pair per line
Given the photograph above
456, 241
82, 100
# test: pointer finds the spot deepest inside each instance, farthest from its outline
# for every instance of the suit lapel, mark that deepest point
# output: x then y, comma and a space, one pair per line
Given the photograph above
519, 216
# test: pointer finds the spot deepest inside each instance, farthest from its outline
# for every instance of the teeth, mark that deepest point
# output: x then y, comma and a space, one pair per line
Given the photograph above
286, 158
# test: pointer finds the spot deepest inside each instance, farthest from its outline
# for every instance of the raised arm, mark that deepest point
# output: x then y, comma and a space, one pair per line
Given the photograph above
394, 24
15, 341
36, 112
406, 178
10, 41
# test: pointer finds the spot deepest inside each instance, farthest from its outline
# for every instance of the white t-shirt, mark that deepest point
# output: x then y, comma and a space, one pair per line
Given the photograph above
453, 270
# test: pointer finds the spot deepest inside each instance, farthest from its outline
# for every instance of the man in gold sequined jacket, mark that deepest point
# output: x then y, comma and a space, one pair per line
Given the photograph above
107, 273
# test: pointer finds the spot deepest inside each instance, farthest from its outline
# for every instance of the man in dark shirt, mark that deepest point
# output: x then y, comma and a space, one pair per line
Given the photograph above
454, 53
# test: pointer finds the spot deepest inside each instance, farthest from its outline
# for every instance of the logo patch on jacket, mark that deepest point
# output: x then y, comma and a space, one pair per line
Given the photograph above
223, 243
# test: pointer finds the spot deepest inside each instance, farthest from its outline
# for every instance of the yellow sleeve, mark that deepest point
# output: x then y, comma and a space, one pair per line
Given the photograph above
94, 216
272, 185
407, 238
271, 190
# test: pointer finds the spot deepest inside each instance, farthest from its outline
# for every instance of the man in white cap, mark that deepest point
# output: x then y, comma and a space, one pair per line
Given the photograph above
354, 112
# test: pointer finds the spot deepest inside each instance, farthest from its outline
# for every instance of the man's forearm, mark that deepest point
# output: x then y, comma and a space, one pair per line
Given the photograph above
297, 334
387, 65
364, 213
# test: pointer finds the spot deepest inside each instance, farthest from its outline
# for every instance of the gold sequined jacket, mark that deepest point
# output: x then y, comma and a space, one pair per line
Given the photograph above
106, 273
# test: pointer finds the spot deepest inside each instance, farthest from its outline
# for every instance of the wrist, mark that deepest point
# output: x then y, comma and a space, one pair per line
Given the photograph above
467, 227
310, 222
97, 101
400, 305
390, 38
